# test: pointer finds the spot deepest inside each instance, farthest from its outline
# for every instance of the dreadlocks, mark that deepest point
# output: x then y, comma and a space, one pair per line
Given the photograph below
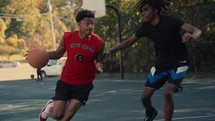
156, 4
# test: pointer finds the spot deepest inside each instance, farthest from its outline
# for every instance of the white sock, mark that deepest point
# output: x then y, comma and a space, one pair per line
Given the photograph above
45, 113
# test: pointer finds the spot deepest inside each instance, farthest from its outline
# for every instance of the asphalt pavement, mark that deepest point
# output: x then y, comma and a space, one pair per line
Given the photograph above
112, 99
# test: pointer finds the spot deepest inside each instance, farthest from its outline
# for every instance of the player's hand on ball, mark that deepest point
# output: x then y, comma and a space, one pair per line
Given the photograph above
37, 57
187, 37
26, 55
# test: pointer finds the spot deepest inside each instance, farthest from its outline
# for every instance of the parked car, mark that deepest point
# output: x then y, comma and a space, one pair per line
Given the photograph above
54, 67
8, 64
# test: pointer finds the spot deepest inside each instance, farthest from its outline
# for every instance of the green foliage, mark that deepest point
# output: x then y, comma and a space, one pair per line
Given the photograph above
30, 21
25, 24
3, 27
141, 55
8, 51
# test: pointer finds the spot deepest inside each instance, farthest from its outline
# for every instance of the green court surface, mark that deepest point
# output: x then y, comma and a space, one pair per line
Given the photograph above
112, 99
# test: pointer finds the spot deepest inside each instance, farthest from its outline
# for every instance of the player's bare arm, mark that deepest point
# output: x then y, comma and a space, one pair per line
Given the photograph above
99, 59
59, 52
125, 44
193, 33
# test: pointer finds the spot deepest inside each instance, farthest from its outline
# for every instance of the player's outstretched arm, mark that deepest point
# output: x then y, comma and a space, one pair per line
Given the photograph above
123, 45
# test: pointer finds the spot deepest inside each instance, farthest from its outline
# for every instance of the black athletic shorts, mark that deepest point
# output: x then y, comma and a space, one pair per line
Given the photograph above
65, 91
163, 73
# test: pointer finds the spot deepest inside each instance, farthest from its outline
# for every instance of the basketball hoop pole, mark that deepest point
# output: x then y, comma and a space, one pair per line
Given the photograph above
52, 27
119, 34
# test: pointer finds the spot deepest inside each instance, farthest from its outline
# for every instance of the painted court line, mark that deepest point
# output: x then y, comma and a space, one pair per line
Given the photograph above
192, 117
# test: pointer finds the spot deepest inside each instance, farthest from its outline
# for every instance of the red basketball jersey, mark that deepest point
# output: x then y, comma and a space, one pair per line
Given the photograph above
79, 67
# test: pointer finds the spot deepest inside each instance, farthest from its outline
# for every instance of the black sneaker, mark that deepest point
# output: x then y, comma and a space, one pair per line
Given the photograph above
180, 88
151, 114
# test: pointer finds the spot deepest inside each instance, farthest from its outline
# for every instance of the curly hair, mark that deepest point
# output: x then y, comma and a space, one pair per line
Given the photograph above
84, 13
156, 4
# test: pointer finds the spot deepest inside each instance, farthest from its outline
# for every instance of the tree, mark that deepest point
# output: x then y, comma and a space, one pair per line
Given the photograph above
26, 24
140, 56
2, 31
14, 46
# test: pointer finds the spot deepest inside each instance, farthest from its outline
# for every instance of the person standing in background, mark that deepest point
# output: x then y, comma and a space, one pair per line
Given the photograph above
39, 74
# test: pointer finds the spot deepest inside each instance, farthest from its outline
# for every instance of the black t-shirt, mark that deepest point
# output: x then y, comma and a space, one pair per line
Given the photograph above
167, 38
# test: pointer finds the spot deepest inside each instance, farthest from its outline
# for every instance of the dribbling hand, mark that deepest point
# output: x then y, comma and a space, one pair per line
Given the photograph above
26, 55
99, 66
187, 37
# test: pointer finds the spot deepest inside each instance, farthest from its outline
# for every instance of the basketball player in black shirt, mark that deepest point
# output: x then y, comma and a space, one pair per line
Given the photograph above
171, 54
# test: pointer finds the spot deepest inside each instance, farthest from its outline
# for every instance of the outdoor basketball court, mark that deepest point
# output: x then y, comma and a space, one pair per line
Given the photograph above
111, 100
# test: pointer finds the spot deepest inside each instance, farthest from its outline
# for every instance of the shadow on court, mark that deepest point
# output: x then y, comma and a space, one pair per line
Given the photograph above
111, 100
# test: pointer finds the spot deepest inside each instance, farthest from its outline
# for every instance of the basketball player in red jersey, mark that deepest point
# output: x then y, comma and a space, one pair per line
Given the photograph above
84, 48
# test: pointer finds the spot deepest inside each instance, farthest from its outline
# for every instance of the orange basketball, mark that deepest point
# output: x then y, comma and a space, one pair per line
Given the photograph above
38, 57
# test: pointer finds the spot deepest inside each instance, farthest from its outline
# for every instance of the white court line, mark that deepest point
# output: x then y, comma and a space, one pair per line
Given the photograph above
192, 117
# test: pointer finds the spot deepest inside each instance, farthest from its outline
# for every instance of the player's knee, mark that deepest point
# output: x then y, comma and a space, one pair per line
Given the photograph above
170, 90
147, 94
57, 115
168, 95
145, 97
68, 116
